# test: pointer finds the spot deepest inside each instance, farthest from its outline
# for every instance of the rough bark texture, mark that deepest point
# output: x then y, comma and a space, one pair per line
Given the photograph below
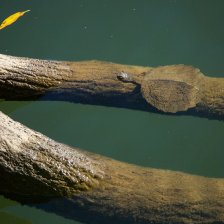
172, 89
96, 189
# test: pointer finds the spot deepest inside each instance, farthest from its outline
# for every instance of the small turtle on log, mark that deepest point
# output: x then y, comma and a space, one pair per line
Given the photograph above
168, 88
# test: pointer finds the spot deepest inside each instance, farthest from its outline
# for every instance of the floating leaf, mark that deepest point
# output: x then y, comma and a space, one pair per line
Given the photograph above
11, 19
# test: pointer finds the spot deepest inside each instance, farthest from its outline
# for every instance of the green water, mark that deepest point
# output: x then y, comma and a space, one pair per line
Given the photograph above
137, 32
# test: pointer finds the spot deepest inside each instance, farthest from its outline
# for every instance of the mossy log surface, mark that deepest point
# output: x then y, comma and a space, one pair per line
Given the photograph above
97, 189
175, 88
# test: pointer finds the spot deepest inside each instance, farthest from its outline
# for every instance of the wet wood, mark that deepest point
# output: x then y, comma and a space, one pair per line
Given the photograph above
171, 89
97, 189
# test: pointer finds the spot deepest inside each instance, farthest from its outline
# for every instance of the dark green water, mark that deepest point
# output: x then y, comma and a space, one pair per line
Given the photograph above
137, 32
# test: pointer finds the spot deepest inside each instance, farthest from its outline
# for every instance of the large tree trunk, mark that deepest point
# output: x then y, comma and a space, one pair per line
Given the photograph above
96, 189
97, 82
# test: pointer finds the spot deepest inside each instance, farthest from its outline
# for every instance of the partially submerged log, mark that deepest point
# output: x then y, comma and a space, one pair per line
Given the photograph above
96, 189
169, 89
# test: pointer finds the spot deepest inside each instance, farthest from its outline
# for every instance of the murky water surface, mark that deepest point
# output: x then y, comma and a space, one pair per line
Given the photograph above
145, 32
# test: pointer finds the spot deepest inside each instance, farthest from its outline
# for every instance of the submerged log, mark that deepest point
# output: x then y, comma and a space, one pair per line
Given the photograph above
169, 89
97, 189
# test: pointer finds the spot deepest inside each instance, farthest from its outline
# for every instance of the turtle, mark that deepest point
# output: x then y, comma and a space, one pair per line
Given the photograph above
171, 89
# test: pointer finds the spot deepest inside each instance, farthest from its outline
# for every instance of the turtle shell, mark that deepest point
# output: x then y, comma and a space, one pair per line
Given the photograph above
172, 88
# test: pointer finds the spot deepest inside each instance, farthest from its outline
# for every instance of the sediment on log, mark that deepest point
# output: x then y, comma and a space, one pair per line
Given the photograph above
97, 189
97, 82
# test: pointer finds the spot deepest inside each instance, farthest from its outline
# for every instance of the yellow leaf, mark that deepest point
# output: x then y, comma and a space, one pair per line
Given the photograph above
11, 19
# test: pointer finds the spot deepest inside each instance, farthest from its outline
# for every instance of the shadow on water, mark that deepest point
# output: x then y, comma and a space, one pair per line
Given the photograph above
123, 101
73, 209
133, 101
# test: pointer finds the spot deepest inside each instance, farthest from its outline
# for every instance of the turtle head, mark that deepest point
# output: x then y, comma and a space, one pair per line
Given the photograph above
125, 77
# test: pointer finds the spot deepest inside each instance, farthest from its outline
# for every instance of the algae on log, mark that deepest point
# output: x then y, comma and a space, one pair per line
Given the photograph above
97, 189
171, 89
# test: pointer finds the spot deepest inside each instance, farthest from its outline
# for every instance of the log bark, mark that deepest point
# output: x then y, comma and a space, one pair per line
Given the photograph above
97, 82
96, 189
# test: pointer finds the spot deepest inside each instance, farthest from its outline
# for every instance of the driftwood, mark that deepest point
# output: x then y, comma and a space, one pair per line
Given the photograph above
96, 189
170, 89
